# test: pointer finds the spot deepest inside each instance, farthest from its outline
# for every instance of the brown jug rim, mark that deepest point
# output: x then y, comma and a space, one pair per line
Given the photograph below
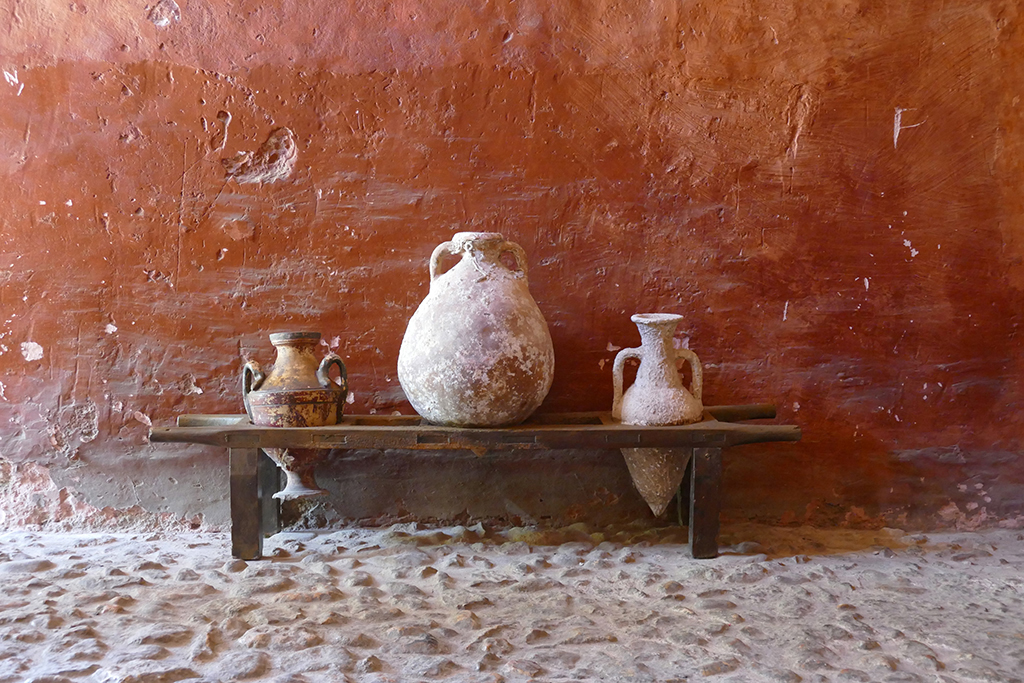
284, 337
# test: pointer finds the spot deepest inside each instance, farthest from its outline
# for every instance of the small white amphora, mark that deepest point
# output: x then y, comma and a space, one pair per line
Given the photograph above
657, 397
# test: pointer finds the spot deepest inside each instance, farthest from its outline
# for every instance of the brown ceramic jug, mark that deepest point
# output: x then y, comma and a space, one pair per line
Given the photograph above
297, 392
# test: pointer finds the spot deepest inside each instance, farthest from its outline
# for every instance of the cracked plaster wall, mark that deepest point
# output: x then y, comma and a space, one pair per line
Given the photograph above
829, 192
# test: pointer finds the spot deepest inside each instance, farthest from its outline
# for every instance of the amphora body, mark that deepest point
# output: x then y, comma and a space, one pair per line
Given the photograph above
657, 397
477, 351
297, 392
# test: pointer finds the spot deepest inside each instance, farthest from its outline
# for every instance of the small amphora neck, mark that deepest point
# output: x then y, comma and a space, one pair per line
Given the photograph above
658, 360
656, 330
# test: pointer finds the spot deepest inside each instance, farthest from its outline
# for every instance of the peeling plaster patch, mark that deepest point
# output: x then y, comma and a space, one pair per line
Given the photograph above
273, 161
612, 347
333, 344
163, 13
220, 138
2, 390
76, 424
952, 514
143, 418
111, 328
188, 385
31, 351
30, 498
913, 252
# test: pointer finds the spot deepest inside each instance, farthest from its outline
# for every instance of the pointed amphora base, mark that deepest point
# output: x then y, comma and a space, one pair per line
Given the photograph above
298, 465
657, 473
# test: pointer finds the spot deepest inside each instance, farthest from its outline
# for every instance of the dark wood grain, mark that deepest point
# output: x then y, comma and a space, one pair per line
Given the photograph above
246, 535
705, 501
270, 483
572, 430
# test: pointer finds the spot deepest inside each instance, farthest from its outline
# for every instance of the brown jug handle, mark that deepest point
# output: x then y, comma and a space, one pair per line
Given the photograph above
697, 383
620, 362
435, 258
323, 373
518, 253
252, 378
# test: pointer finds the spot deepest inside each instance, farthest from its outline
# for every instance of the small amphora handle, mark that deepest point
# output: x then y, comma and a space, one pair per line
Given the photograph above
620, 362
252, 378
697, 383
323, 373
518, 253
435, 258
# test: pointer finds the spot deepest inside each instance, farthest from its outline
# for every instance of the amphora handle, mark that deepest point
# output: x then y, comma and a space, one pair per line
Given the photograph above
518, 253
697, 383
435, 257
252, 378
323, 373
620, 363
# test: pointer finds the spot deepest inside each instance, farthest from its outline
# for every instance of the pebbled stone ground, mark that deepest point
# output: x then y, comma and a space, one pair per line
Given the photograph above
409, 603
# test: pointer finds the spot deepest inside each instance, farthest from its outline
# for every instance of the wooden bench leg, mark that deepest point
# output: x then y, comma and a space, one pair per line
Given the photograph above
705, 502
246, 535
270, 483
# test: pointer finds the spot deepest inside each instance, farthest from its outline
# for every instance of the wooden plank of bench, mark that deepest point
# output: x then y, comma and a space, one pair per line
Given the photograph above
737, 413
710, 433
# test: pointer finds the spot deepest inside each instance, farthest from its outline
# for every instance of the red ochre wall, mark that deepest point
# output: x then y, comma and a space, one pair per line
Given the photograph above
830, 192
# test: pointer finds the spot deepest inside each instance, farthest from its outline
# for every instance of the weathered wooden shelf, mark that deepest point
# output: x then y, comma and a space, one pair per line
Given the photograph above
706, 439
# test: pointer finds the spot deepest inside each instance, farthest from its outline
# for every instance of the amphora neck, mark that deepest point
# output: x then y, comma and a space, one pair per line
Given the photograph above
485, 245
658, 361
296, 350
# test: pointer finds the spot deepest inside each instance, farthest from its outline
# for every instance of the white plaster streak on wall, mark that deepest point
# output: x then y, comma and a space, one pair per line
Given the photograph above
785, 312
3, 391
867, 284
12, 80
31, 351
897, 125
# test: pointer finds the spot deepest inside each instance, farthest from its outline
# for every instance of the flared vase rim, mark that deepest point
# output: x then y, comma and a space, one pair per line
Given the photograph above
656, 318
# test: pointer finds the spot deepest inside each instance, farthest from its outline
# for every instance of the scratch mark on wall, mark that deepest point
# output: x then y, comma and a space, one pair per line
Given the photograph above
798, 116
897, 125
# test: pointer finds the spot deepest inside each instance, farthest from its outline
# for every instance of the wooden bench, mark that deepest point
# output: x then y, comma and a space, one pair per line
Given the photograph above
254, 479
